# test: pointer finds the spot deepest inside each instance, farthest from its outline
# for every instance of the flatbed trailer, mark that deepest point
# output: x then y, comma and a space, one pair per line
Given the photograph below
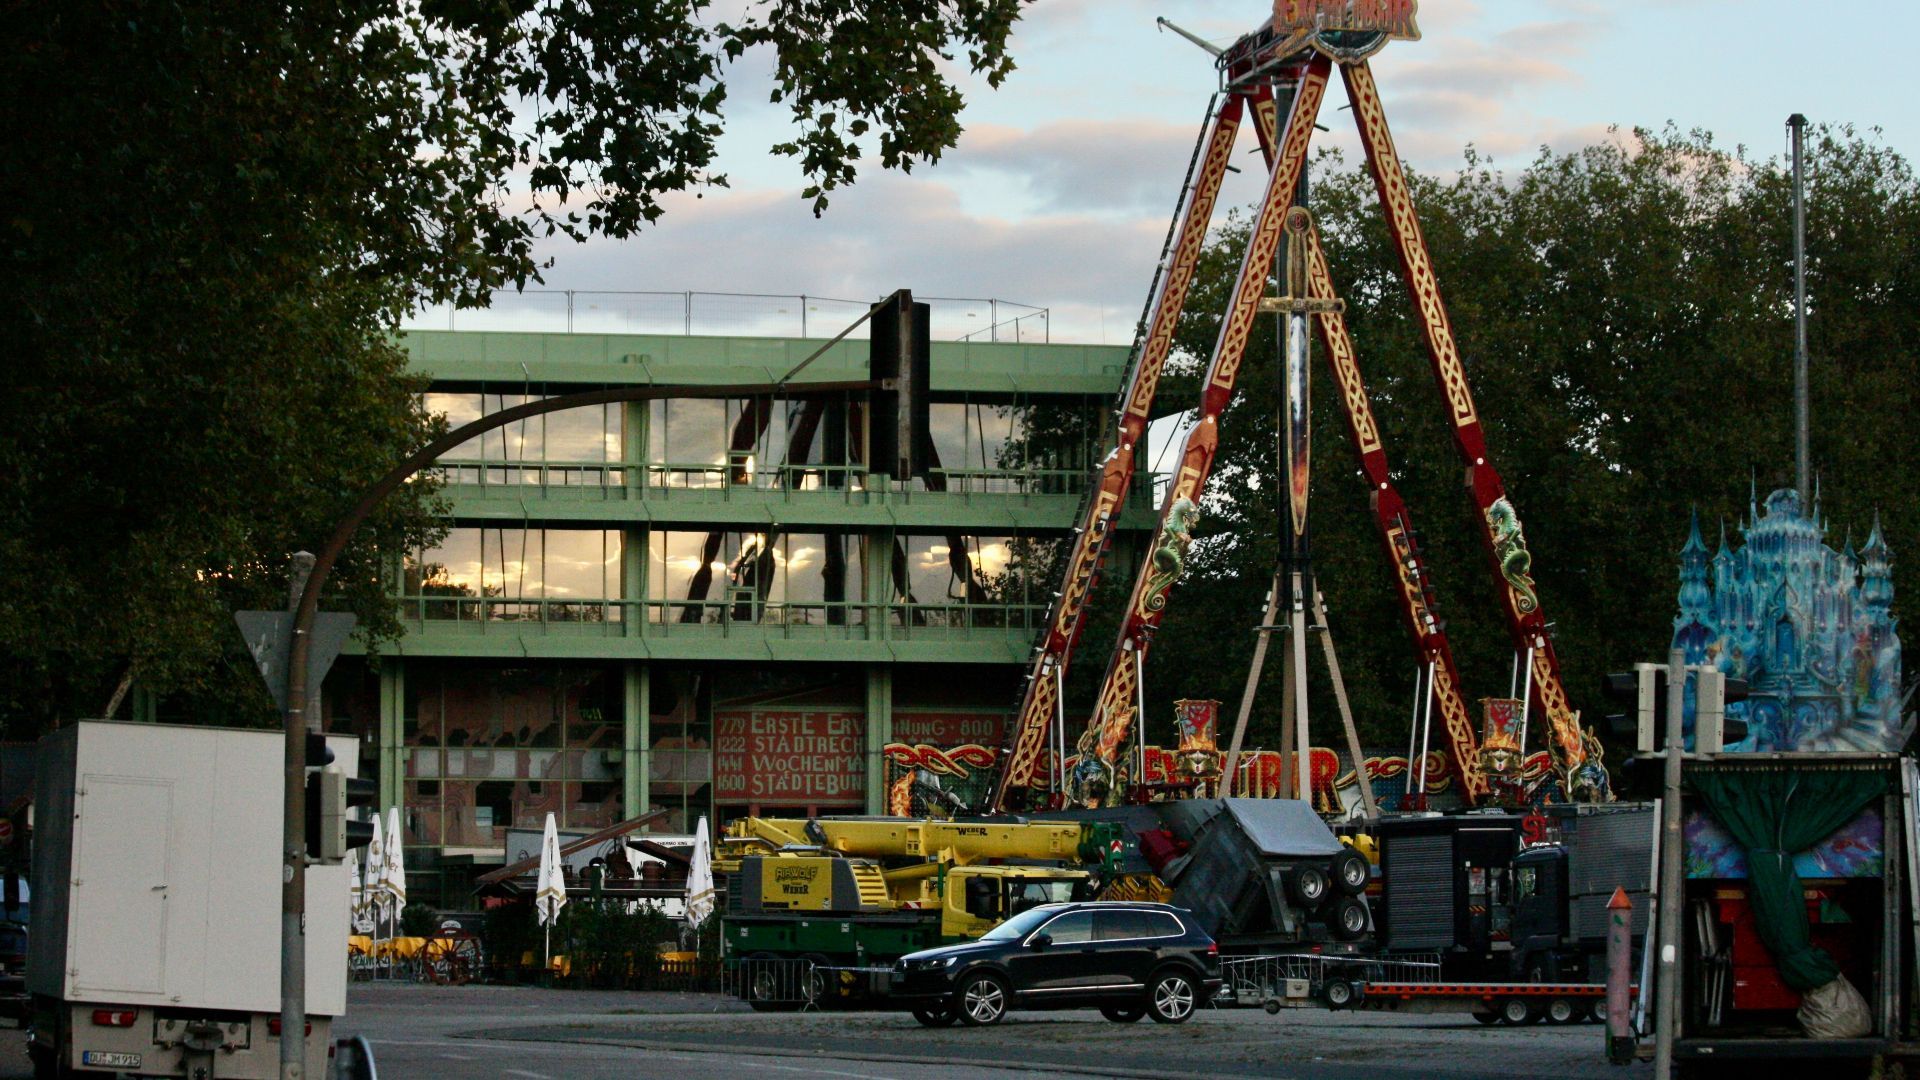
1412, 983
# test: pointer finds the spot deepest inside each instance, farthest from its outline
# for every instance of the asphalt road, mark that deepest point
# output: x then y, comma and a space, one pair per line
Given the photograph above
515, 1033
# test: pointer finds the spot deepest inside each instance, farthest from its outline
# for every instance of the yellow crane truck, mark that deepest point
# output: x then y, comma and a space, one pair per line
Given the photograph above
850, 895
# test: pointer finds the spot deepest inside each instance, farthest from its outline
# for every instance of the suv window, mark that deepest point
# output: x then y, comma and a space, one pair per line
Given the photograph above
1118, 925
1072, 928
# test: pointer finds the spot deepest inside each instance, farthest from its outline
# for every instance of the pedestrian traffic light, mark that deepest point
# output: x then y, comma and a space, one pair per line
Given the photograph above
1644, 690
332, 831
900, 362
331, 797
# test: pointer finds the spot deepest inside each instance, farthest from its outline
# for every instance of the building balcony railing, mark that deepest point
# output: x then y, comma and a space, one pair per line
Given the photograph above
469, 615
574, 311
709, 482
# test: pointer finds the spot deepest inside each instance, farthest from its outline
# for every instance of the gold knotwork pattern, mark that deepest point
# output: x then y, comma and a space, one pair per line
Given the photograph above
1113, 719
1265, 241
1410, 589
1560, 715
1034, 720
1086, 556
1186, 256
1340, 351
1460, 735
1405, 225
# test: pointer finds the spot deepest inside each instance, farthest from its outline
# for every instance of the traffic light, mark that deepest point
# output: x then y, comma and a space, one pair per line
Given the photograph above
900, 361
1644, 690
1712, 729
331, 797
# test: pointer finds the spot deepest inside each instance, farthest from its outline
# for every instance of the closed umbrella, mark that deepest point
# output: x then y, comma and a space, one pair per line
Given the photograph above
394, 877
373, 897
550, 893
700, 879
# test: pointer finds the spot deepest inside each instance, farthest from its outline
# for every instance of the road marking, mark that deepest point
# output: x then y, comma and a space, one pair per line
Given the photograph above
523, 1072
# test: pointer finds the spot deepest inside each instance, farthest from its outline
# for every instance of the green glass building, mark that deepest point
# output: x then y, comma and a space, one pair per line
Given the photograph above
710, 606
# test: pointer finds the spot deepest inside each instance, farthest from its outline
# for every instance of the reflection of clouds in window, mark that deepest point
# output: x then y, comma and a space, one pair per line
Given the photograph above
593, 433
520, 564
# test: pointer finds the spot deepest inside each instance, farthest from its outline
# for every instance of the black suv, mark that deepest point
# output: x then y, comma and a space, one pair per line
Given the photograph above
1131, 960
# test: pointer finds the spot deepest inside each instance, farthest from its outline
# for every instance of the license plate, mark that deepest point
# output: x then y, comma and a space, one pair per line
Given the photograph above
112, 1059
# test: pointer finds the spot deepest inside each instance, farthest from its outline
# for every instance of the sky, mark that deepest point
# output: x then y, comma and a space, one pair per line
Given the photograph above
1060, 191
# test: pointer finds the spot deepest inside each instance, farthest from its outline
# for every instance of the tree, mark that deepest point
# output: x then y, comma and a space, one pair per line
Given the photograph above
217, 214
1625, 315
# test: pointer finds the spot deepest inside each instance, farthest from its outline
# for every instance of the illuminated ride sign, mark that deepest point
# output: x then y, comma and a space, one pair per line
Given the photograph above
1345, 30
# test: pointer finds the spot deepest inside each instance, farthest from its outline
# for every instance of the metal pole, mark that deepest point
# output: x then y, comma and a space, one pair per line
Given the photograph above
1798, 125
1346, 710
1666, 984
1302, 740
293, 836
1413, 738
1426, 734
1526, 699
1265, 631
293, 895
1060, 732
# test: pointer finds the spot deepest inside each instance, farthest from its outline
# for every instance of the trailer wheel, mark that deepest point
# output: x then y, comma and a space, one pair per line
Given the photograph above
1340, 994
1597, 1012
1518, 1012
1309, 885
1487, 1018
1562, 1011
1352, 872
1348, 918
1273, 1006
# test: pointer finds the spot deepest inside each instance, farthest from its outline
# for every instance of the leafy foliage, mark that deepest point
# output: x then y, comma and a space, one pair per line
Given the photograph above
217, 214
1625, 315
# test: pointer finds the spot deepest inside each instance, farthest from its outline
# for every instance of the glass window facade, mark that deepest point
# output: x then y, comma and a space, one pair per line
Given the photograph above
593, 433
488, 747
517, 573
794, 577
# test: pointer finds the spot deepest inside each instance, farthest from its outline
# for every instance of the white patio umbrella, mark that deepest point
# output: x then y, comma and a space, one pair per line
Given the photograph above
373, 898
700, 878
550, 893
356, 895
394, 876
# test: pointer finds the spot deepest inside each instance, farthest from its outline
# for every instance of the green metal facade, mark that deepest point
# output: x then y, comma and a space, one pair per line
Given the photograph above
642, 636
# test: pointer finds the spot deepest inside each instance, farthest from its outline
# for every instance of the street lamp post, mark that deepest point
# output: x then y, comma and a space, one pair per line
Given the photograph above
293, 876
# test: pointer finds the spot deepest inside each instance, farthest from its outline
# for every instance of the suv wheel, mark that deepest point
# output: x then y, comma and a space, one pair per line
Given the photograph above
982, 1000
1171, 997
1123, 1014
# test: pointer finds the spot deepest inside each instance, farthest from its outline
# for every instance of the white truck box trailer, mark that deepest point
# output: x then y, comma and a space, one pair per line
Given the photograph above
155, 947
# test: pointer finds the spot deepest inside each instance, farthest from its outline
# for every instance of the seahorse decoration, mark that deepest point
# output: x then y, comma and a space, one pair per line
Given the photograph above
1170, 555
1587, 782
1510, 548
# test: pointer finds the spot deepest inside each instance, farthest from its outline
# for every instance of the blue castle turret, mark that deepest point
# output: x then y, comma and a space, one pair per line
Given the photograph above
1810, 629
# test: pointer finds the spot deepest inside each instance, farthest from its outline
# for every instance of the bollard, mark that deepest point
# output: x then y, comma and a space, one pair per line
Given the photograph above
1619, 978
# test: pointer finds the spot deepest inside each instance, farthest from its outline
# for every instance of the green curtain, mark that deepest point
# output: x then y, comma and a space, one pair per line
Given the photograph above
1773, 815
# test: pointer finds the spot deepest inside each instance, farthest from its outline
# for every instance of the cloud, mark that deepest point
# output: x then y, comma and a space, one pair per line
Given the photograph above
891, 231
1084, 165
